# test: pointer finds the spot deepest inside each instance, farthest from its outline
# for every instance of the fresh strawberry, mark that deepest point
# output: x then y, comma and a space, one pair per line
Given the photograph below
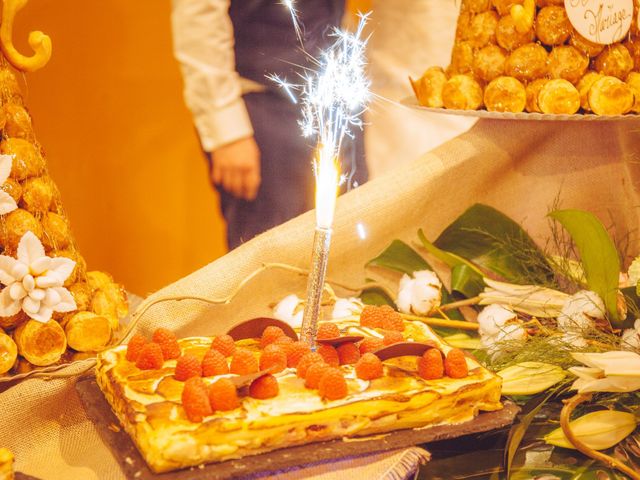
455, 364
348, 353
224, 344
392, 336
134, 347
274, 358
333, 385
329, 354
371, 316
195, 400
327, 330
214, 363
430, 365
223, 395
264, 387
270, 335
369, 367
314, 374
306, 361
168, 343
150, 357
371, 344
188, 366
393, 321
244, 362
295, 351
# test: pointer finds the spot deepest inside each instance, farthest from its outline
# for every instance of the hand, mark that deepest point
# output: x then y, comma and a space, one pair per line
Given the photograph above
236, 167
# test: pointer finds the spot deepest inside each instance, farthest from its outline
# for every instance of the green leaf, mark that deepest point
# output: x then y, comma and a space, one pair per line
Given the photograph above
490, 239
466, 281
598, 255
530, 378
466, 278
464, 341
376, 296
520, 427
400, 257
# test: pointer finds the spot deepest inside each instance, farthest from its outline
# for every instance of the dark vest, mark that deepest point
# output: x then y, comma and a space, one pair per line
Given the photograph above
265, 40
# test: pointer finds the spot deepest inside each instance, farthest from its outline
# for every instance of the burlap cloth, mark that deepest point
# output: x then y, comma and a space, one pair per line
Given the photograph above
518, 167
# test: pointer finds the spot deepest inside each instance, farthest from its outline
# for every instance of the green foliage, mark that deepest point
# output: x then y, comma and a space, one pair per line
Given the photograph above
400, 257
598, 256
490, 239
376, 296
466, 278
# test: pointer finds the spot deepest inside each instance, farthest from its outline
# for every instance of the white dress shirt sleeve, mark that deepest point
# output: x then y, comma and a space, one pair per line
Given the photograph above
203, 45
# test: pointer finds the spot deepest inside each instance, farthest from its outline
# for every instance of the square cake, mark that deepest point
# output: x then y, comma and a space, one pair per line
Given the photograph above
149, 402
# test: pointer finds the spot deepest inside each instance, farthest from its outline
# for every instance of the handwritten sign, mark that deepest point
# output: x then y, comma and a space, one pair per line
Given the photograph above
601, 21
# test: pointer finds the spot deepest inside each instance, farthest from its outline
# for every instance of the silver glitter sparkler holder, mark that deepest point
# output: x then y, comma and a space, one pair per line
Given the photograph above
315, 285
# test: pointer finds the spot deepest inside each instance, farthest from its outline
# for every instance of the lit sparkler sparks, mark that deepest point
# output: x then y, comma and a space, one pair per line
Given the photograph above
290, 4
333, 99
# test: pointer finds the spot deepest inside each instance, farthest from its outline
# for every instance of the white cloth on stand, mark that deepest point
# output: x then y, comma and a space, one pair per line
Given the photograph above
408, 36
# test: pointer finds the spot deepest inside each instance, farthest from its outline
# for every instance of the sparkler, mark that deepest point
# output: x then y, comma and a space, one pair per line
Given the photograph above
332, 98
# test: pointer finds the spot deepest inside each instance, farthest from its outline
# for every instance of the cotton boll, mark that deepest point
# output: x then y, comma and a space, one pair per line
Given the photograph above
420, 294
347, 307
580, 311
631, 337
493, 317
289, 310
508, 337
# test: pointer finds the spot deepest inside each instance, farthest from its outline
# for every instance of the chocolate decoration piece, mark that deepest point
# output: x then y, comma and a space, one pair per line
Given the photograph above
403, 349
253, 328
245, 380
334, 342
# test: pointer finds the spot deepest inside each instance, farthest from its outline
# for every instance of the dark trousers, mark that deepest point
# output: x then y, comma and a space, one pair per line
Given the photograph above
288, 184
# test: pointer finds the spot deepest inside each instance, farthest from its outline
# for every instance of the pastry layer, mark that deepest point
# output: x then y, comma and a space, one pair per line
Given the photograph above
148, 404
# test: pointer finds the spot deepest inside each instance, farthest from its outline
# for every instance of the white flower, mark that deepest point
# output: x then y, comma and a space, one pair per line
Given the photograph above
34, 282
420, 294
493, 317
509, 337
7, 203
290, 310
631, 337
347, 307
580, 311
614, 371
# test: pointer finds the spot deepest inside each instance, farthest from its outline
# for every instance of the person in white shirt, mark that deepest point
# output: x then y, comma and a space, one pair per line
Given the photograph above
248, 127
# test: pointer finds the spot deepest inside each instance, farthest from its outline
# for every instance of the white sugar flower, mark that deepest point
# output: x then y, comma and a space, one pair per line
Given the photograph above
614, 371
420, 294
347, 307
493, 317
631, 337
34, 282
580, 311
7, 203
290, 309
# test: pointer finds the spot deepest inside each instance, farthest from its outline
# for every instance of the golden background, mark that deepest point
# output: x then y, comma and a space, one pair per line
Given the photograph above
119, 141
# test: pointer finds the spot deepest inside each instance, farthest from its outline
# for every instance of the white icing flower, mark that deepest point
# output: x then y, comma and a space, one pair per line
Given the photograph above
580, 311
7, 203
631, 337
493, 317
290, 310
34, 282
420, 294
347, 307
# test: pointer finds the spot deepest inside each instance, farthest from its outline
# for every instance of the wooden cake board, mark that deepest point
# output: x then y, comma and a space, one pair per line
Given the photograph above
134, 467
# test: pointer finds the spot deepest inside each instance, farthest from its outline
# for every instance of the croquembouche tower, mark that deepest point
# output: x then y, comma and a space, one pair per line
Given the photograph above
541, 56
52, 310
